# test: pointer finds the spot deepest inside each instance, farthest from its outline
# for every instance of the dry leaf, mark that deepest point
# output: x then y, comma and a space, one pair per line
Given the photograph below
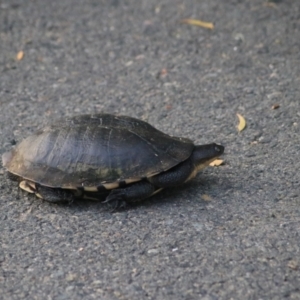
198, 23
293, 264
206, 197
270, 4
20, 55
242, 122
275, 106
163, 72
217, 162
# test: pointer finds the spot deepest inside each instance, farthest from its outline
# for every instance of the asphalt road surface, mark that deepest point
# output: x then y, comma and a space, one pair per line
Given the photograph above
233, 233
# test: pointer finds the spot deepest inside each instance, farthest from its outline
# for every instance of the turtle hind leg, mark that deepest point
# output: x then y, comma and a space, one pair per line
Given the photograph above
54, 195
12, 176
129, 194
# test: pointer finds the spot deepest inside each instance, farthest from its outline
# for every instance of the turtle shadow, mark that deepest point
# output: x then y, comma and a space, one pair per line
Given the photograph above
212, 185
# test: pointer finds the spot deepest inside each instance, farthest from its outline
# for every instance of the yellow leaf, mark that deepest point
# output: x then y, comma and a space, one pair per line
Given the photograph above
206, 197
217, 162
293, 264
198, 23
275, 106
20, 55
242, 122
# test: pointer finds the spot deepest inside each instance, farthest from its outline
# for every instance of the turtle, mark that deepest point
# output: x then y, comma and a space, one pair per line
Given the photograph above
88, 156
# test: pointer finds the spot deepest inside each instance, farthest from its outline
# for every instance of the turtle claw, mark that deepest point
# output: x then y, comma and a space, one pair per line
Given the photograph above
117, 200
119, 205
115, 195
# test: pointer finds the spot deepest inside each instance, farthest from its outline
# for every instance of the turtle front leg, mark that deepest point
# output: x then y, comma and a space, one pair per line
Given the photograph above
175, 176
132, 193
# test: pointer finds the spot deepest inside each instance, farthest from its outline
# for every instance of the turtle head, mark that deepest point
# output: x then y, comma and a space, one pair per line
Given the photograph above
203, 155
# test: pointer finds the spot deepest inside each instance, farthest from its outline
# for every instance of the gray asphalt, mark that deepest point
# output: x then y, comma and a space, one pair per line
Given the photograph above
138, 59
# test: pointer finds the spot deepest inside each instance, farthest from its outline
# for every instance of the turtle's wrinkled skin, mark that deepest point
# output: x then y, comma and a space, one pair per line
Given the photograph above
88, 155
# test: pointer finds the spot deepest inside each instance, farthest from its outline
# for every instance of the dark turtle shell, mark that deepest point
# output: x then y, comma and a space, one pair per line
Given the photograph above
93, 150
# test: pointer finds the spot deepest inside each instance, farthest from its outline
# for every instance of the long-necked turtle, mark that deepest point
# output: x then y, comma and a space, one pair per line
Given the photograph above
89, 154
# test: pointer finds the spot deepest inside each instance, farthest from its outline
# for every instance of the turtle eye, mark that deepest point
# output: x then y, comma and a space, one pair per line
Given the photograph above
219, 148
